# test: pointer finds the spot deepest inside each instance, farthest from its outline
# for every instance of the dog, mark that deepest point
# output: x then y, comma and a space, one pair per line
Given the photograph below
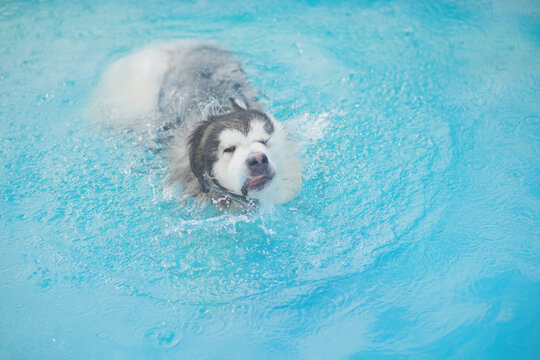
222, 146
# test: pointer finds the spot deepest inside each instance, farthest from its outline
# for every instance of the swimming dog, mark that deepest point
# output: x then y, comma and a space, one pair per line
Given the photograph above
222, 146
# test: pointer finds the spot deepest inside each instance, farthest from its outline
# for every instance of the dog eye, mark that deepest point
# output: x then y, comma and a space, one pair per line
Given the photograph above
264, 141
230, 149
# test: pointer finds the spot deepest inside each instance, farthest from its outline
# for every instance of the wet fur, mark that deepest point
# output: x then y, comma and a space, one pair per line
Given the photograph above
188, 93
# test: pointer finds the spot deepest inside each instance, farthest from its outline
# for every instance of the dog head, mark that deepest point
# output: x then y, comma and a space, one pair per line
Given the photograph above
244, 154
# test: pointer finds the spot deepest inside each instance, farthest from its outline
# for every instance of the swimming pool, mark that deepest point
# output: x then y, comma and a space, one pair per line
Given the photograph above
415, 234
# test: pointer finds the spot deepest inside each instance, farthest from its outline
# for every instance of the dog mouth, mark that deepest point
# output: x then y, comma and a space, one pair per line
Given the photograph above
256, 183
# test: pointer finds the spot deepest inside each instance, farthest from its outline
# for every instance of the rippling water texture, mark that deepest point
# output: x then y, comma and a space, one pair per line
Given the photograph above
415, 234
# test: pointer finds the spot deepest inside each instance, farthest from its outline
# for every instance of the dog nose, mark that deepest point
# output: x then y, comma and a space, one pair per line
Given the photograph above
257, 163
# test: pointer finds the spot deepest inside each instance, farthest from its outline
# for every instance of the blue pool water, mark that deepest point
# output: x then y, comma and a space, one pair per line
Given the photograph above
415, 234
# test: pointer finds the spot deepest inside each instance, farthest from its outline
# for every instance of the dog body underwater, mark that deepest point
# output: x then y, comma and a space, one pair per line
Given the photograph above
222, 146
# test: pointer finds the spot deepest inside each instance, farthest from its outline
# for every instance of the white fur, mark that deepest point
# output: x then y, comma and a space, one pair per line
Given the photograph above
127, 97
288, 179
231, 170
128, 91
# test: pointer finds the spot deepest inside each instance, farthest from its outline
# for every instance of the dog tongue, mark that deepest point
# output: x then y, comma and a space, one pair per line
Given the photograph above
254, 179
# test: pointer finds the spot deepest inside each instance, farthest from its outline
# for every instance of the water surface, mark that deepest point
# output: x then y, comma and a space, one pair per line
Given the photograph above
415, 234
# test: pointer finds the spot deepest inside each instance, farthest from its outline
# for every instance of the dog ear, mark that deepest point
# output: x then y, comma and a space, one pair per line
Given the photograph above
195, 161
236, 106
